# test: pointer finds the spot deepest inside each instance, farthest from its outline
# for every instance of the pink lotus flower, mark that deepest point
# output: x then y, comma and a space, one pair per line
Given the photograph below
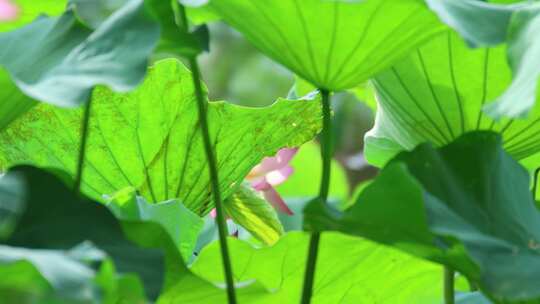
8, 10
271, 172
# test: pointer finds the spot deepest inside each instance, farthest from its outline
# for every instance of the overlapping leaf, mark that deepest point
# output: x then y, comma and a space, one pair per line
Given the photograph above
438, 93
117, 288
182, 225
56, 219
59, 60
149, 139
332, 44
40, 264
489, 24
175, 39
466, 205
481, 23
39, 274
255, 214
73, 59
60, 276
13, 101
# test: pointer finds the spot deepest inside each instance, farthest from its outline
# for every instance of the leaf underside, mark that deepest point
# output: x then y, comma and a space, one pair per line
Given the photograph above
149, 139
334, 44
438, 93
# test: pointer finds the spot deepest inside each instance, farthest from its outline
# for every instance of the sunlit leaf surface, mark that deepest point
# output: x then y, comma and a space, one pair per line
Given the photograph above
333, 44
438, 93
349, 269
149, 139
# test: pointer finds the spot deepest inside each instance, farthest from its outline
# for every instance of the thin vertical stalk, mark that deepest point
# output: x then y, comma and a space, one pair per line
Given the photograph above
326, 155
309, 275
535, 182
183, 24
82, 146
326, 146
212, 167
448, 285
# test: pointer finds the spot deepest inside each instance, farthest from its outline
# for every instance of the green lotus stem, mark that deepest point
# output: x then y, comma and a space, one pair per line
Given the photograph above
326, 154
326, 146
212, 163
535, 182
211, 158
82, 146
180, 14
448, 285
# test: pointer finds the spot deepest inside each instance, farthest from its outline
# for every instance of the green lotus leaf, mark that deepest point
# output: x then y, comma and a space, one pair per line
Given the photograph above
44, 273
145, 242
466, 205
349, 269
438, 93
175, 38
182, 225
479, 22
50, 256
64, 276
489, 24
88, 54
149, 139
117, 288
54, 220
13, 101
59, 60
333, 44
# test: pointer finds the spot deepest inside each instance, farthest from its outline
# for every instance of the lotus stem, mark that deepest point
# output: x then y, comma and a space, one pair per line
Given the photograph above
326, 155
448, 285
535, 182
